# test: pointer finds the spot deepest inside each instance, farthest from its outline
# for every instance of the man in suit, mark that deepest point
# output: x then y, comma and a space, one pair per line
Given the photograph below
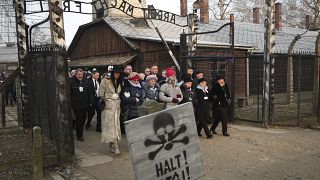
81, 100
94, 84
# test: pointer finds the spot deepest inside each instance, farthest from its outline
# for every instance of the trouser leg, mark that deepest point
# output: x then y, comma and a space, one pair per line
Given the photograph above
199, 126
205, 127
91, 112
123, 118
215, 123
98, 125
80, 120
223, 117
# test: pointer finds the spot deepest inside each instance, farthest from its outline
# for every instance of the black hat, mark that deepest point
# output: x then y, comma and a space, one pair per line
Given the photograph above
187, 79
219, 77
201, 80
117, 69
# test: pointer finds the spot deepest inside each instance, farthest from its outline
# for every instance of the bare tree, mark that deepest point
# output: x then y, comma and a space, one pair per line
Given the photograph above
295, 11
220, 8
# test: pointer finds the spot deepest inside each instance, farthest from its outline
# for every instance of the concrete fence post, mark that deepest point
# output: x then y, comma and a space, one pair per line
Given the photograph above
37, 153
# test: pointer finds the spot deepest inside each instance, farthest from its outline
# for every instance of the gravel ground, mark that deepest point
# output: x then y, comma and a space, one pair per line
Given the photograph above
250, 153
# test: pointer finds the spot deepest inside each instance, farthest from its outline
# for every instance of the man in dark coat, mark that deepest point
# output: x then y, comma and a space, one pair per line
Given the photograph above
94, 84
155, 71
220, 96
202, 107
81, 99
186, 89
199, 75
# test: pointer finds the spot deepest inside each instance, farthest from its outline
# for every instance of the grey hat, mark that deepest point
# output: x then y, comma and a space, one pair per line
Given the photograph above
148, 78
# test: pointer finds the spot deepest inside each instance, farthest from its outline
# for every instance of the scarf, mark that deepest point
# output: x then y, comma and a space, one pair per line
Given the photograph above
205, 89
135, 85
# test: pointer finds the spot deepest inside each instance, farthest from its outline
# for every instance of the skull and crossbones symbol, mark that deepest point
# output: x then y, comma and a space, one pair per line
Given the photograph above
163, 122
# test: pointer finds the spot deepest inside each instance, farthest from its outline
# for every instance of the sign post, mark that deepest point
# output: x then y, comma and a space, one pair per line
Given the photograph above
165, 145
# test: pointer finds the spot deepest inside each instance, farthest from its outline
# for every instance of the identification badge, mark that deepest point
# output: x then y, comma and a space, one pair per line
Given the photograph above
81, 89
205, 98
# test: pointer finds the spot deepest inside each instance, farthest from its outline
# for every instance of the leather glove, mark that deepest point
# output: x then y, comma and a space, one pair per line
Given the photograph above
179, 96
175, 100
137, 100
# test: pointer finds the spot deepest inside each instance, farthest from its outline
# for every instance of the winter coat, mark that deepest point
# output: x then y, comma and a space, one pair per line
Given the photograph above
201, 105
167, 93
220, 95
152, 93
188, 94
129, 97
110, 116
80, 94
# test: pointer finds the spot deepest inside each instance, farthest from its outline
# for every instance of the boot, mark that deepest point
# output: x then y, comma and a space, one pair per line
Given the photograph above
114, 148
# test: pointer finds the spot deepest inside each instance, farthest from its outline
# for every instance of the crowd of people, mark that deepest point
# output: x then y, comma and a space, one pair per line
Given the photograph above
117, 95
10, 90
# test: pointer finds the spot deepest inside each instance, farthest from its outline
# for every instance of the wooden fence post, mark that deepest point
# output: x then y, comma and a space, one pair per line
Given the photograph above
63, 131
22, 57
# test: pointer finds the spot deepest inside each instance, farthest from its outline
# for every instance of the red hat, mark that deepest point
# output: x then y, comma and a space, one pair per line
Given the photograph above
134, 76
170, 72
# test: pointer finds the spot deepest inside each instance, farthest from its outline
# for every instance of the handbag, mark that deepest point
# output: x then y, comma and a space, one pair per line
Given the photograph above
100, 104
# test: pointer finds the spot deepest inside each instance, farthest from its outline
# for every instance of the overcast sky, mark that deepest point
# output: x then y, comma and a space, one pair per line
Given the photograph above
73, 20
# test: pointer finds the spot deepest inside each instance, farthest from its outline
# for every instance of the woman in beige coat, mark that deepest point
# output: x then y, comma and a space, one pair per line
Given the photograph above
109, 90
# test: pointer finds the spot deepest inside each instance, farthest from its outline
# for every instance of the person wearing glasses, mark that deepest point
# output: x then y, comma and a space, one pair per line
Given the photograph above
147, 72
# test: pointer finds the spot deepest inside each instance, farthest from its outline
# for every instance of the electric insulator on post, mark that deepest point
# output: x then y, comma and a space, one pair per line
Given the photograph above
195, 23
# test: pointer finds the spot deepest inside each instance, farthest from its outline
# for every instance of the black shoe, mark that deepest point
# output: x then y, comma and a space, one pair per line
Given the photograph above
226, 134
213, 132
80, 139
88, 126
200, 135
210, 136
98, 129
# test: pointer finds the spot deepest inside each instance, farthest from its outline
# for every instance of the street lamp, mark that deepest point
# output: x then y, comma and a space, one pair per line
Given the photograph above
196, 4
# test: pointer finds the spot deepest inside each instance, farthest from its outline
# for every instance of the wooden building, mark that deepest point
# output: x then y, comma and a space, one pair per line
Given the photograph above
124, 40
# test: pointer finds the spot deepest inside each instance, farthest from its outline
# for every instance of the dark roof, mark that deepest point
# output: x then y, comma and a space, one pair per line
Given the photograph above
101, 61
8, 54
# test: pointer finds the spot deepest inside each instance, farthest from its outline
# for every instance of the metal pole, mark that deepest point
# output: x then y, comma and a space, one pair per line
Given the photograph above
64, 134
258, 101
299, 90
231, 41
183, 52
316, 86
166, 46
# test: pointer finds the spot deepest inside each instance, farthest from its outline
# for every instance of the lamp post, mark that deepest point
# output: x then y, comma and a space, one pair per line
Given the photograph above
192, 28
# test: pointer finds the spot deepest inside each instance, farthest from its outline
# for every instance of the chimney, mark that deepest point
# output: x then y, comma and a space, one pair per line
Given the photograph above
278, 16
256, 15
183, 7
308, 22
204, 11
